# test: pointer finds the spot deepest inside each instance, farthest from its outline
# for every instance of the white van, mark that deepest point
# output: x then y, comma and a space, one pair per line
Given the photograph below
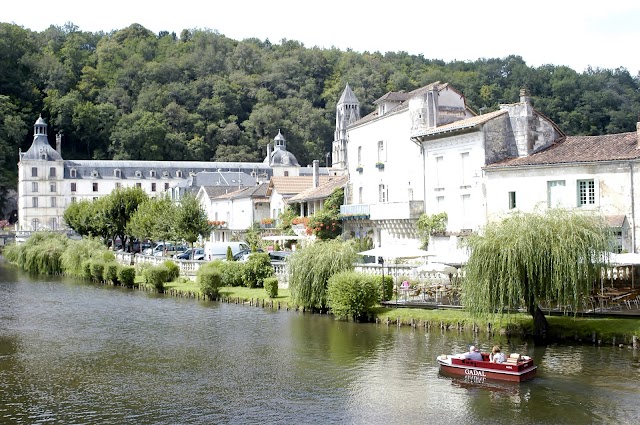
218, 250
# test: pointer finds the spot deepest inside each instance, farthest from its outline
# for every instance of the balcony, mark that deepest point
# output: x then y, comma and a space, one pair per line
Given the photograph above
354, 212
396, 210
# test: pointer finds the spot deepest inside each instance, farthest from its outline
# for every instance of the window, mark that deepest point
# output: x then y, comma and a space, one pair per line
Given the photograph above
34, 172
152, 173
286, 174
52, 172
555, 193
138, 173
35, 224
138, 184
117, 173
73, 187
360, 195
52, 187
166, 186
73, 173
95, 198
381, 152
34, 202
118, 185
34, 186
165, 173
359, 155
439, 171
53, 223
94, 174
440, 203
382, 193
153, 187
95, 187
512, 200
179, 174
465, 168
73, 199
466, 210
53, 202
586, 192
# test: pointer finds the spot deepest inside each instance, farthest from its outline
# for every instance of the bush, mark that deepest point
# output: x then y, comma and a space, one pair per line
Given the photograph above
231, 271
257, 269
352, 294
110, 273
127, 275
97, 270
271, 286
386, 287
77, 252
86, 269
156, 276
210, 281
174, 270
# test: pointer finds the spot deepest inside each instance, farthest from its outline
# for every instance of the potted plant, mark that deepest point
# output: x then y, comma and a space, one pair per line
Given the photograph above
380, 165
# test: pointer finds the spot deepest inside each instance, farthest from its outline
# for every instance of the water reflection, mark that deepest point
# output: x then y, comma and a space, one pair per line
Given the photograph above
76, 353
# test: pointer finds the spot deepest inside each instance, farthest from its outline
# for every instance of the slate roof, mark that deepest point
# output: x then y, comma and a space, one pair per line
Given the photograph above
580, 149
615, 220
348, 96
462, 124
292, 185
258, 192
320, 192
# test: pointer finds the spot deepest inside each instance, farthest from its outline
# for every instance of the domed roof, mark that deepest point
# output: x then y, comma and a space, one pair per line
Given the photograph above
283, 157
40, 148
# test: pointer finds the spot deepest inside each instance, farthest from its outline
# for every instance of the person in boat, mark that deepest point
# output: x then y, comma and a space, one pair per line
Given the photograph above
496, 355
473, 354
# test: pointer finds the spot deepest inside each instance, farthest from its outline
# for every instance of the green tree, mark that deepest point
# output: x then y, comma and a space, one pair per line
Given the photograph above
119, 206
311, 267
526, 259
191, 219
428, 224
154, 219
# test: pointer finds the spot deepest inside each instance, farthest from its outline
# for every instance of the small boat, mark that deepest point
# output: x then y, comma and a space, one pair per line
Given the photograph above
516, 368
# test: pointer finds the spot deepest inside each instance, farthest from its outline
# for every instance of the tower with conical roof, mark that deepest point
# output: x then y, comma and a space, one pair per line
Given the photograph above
347, 112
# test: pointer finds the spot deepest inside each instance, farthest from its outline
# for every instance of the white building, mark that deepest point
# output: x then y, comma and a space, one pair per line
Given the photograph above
592, 173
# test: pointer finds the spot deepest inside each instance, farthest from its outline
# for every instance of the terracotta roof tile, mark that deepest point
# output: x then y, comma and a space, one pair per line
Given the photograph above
580, 149
292, 185
322, 191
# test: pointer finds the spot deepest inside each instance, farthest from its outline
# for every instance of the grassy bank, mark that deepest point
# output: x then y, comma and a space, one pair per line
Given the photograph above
563, 328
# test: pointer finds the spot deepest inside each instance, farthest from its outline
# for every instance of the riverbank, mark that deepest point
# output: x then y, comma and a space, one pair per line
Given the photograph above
601, 331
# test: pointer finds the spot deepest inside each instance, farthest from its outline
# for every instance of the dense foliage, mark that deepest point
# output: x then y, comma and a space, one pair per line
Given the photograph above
133, 94
526, 259
271, 286
429, 224
353, 295
311, 267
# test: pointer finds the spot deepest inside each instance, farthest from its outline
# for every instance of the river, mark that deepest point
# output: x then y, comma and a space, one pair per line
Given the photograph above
77, 353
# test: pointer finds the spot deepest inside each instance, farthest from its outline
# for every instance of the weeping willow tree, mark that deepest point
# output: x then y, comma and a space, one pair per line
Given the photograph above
526, 259
311, 267
40, 253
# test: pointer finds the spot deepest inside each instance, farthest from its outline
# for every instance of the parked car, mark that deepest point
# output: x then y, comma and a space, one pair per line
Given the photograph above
198, 254
277, 256
218, 250
244, 254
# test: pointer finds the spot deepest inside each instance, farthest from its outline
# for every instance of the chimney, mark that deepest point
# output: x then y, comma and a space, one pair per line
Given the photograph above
269, 153
316, 173
524, 96
59, 143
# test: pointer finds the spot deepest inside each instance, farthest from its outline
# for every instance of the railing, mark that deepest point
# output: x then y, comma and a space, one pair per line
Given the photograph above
354, 211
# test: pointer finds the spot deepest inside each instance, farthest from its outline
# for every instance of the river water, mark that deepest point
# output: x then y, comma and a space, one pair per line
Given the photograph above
76, 353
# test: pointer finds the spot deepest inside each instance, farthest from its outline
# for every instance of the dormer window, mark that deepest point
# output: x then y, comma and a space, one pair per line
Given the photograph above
117, 173
165, 174
192, 173
179, 174
94, 174
43, 155
152, 173
138, 173
73, 173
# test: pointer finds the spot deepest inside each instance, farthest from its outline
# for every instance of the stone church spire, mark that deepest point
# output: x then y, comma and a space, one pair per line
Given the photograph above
347, 112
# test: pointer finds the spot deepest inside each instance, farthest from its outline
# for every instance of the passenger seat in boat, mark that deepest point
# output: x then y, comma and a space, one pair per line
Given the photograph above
513, 358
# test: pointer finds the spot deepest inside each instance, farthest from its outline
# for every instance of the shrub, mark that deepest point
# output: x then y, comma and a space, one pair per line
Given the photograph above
77, 252
311, 267
256, 269
232, 272
352, 294
210, 281
229, 254
110, 273
97, 270
127, 275
386, 288
156, 276
86, 269
271, 286
174, 270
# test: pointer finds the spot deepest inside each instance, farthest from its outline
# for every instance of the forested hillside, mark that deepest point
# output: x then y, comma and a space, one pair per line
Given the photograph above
133, 94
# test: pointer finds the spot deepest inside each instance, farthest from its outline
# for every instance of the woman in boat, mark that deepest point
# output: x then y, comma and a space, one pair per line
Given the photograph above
496, 355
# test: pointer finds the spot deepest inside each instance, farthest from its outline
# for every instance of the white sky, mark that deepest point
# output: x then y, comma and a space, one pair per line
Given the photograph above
573, 33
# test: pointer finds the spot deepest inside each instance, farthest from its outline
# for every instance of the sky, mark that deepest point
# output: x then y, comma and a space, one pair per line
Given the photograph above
576, 34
